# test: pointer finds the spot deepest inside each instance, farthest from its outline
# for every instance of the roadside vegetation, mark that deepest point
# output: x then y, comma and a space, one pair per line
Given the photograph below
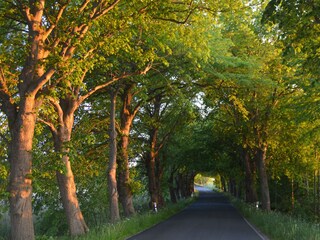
277, 225
130, 226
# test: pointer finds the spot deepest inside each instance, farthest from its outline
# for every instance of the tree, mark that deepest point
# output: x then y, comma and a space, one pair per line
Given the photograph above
44, 49
112, 171
298, 25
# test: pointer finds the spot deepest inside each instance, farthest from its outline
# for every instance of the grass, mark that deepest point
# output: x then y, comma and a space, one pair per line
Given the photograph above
279, 226
132, 226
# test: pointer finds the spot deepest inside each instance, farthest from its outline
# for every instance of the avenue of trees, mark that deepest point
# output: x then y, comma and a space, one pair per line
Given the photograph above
106, 102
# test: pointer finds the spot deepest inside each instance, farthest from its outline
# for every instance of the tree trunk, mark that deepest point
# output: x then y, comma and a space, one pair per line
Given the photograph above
159, 176
22, 120
223, 183
251, 194
178, 187
112, 170
152, 182
20, 158
189, 184
125, 192
262, 170
67, 187
292, 195
154, 171
172, 191
66, 183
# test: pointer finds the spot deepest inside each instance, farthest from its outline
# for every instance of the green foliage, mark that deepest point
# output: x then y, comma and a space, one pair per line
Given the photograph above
297, 24
136, 224
51, 222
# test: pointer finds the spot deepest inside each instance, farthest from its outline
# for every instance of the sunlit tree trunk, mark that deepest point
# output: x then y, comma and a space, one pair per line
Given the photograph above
112, 169
22, 120
65, 178
21, 107
124, 188
20, 158
125, 192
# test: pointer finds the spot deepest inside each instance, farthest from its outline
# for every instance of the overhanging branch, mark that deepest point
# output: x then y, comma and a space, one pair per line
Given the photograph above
114, 79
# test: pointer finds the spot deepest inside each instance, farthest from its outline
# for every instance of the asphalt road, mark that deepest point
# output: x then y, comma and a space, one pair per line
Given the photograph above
210, 217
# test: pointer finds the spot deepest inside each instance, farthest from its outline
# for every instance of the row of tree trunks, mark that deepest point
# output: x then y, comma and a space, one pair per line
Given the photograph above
181, 185
251, 196
22, 117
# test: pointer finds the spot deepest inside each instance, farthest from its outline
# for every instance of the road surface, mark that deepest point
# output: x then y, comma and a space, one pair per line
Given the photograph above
210, 217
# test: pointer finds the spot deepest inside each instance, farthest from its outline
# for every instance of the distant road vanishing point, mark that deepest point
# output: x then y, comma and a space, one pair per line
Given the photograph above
210, 217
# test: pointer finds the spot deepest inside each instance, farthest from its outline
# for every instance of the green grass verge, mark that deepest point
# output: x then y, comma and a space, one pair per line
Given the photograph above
131, 226
278, 226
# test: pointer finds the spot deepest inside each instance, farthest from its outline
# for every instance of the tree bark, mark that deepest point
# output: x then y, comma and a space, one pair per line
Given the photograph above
251, 194
172, 190
125, 192
20, 158
66, 183
112, 169
223, 183
159, 176
154, 171
152, 182
262, 170
22, 125
187, 182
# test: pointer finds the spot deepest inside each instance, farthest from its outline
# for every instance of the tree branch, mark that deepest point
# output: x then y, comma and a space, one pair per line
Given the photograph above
115, 79
43, 80
49, 124
96, 14
53, 26
9, 107
84, 5
58, 109
136, 109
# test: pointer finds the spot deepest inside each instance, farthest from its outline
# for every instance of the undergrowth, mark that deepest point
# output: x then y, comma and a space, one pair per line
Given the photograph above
279, 226
129, 227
